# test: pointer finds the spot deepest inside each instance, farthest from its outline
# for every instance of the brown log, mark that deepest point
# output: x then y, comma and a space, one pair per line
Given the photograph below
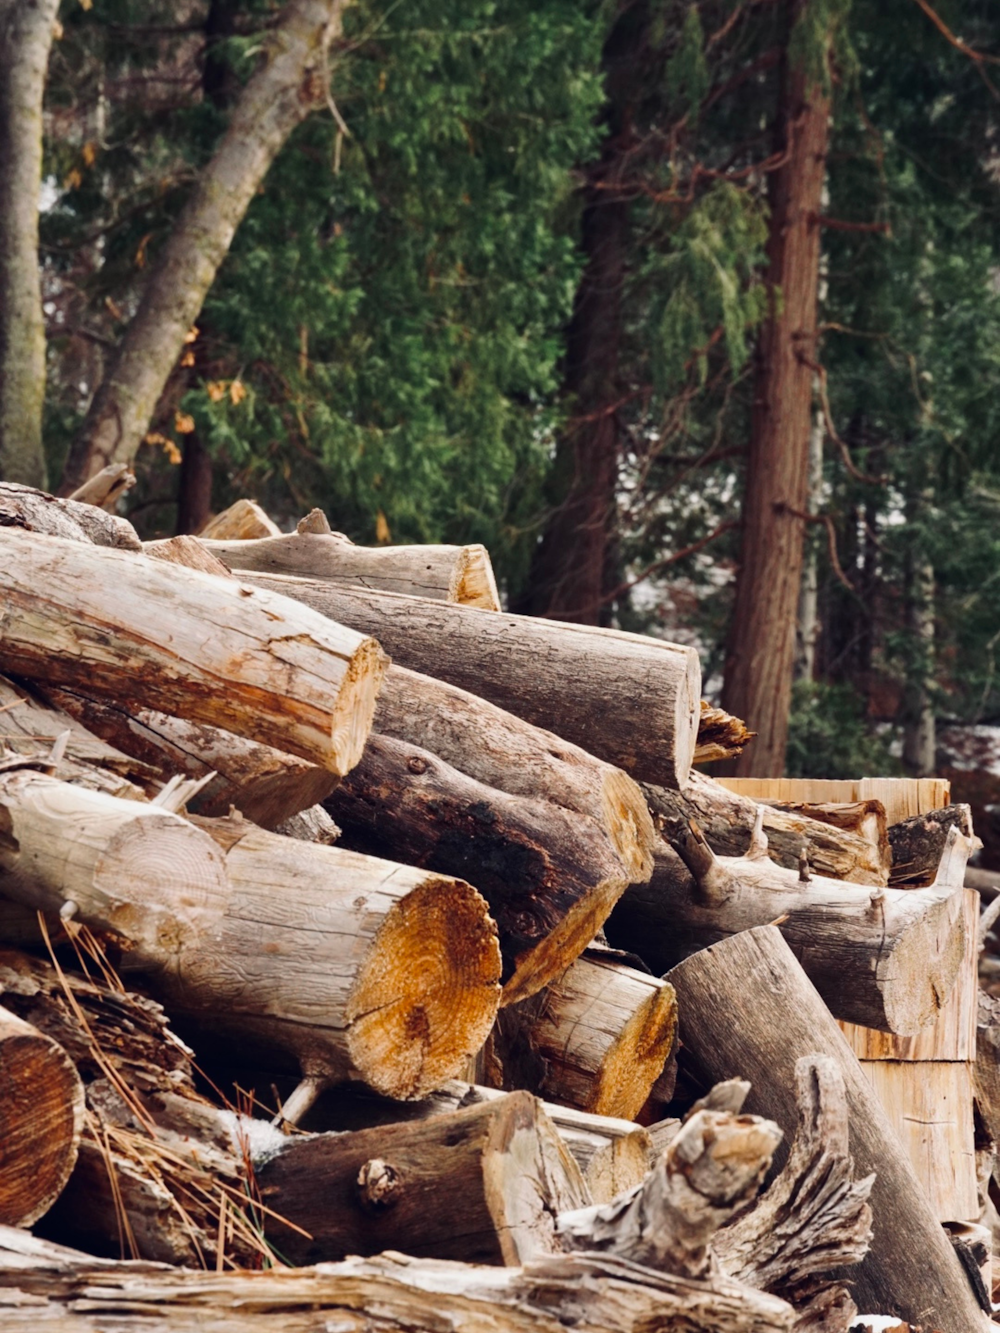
814, 1217
482, 1185
727, 819
354, 967
268, 786
41, 1118
41, 1285
106, 487
885, 958
461, 575
241, 521
632, 700
144, 632
917, 844
27, 510
720, 735
747, 1009
598, 1036
549, 874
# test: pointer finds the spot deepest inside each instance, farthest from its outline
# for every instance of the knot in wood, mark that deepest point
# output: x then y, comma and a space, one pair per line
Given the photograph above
378, 1183
417, 765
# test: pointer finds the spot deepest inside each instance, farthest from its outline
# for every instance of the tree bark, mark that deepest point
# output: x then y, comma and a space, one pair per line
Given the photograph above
30, 510
747, 1009
194, 494
482, 1185
286, 87
761, 651
885, 958
26, 31
631, 700
149, 633
919, 843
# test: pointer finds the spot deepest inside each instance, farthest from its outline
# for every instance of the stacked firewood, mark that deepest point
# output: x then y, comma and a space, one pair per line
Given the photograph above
393, 879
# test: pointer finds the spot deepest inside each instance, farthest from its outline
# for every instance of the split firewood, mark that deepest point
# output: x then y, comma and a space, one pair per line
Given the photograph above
720, 735
354, 967
483, 1185
597, 1037
815, 1217
713, 1168
918, 844
632, 700
458, 574
747, 1009
866, 818
549, 874
266, 785
41, 1119
41, 1286
153, 634
728, 819
240, 522
884, 958
106, 487
24, 509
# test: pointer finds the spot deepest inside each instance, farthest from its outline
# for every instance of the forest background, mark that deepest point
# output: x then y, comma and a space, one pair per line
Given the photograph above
689, 312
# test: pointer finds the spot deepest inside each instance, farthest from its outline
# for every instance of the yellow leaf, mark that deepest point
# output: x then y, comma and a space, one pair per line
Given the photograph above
192, 334
166, 444
89, 154
216, 390
382, 77
183, 424
187, 359
86, 4
140, 254
382, 533
73, 180
237, 391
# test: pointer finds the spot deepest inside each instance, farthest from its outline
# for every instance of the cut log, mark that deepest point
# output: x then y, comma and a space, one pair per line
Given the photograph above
355, 967
188, 551
268, 786
918, 844
41, 1286
631, 700
41, 1118
747, 1009
458, 574
720, 735
240, 522
884, 958
815, 1217
549, 874
599, 1037
158, 635
483, 1185
713, 1168
728, 819
312, 825
25, 509
106, 487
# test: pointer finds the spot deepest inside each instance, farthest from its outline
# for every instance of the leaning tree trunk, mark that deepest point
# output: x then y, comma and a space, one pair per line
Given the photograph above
760, 658
287, 86
26, 30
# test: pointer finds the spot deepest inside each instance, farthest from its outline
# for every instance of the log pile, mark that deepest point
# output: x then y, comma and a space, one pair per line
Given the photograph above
335, 908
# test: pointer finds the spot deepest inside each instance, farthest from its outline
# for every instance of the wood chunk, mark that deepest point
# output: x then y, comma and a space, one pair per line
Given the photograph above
312, 825
242, 521
462, 575
147, 633
105, 488
483, 1185
747, 1009
720, 735
24, 509
188, 551
918, 844
41, 1119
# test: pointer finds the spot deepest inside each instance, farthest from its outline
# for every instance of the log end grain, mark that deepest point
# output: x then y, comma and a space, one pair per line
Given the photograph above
427, 993
354, 709
472, 580
629, 824
636, 1060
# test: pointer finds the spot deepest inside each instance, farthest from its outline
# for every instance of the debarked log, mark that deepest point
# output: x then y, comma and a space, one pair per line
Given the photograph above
632, 700
482, 1184
884, 958
747, 1009
157, 635
549, 874
24, 508
354, 967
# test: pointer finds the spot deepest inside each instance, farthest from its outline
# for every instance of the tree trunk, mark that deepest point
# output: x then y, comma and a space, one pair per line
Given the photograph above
286, 87
808, 626
761, 652
148, 633
194, 495
26, 31
482, 1185
30, 510
919, 731
632, 700
747, 1009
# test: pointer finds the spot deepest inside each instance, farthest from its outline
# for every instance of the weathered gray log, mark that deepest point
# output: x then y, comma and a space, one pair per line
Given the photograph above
629, 699
41, 1286
105, 488
727, 819
884, 958
483, 1185
918, 844
747, 1009
354, 967
27, 510
549, 874
144, 632
460, 575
